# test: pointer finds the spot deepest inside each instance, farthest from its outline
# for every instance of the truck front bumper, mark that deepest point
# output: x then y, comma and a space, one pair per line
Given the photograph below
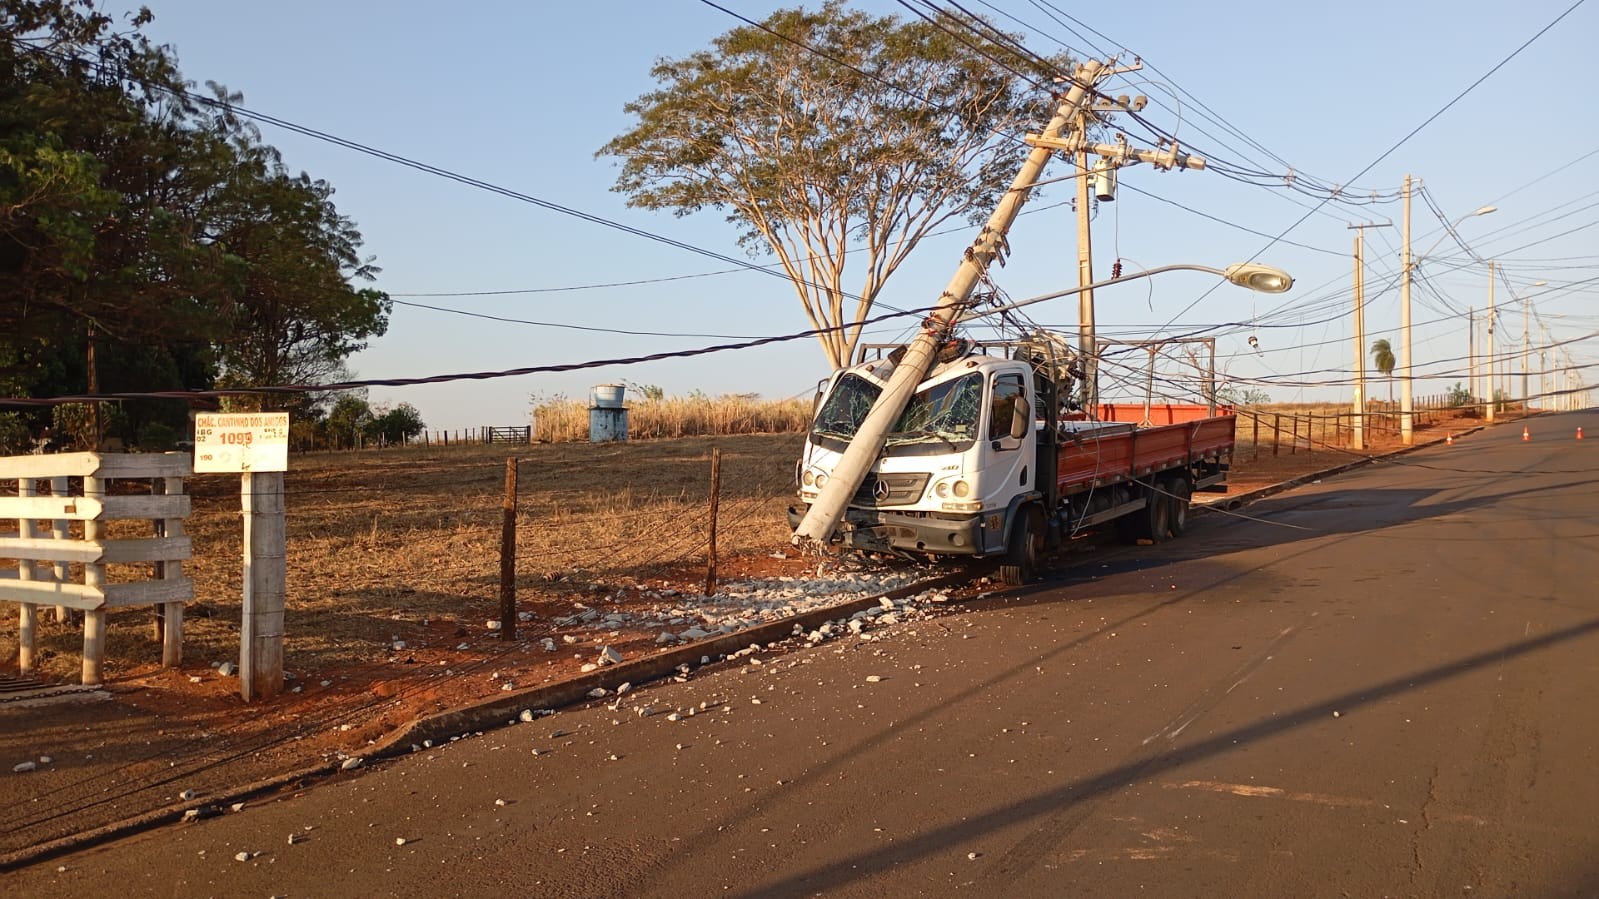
877, 530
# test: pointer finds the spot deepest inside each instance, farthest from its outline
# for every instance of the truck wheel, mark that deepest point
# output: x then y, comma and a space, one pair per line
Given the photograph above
1177, 495
1154, 520
1025, 549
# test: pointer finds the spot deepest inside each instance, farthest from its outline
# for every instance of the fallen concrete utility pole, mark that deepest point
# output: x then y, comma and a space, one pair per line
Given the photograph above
823, 516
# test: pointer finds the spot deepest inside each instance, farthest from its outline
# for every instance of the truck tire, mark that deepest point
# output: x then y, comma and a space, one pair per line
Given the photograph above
1154, 520
1025, 548
1177, 494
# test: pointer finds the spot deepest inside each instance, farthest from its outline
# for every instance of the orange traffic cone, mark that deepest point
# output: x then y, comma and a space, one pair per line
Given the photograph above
1524, 434
1450, 440
1579, 433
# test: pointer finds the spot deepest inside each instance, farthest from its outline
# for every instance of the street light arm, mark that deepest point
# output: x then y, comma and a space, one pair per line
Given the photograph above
1262, 278
1449, 231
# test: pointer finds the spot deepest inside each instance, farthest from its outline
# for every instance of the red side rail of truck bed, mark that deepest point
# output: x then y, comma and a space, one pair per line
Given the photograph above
1093, 459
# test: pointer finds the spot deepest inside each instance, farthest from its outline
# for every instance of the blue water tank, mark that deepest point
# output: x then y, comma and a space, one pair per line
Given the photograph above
607, 415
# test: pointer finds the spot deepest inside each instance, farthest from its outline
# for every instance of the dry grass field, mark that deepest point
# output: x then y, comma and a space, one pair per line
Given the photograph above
380, 541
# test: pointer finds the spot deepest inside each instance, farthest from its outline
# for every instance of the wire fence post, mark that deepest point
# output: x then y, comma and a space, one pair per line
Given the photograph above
508, 555
1255, 440
1276, 433
716, 494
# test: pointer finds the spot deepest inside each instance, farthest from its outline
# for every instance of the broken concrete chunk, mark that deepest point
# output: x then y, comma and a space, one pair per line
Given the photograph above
227, 669
609, 656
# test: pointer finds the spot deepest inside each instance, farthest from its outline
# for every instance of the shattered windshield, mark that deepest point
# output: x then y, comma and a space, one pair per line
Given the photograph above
846, 408
943, 416
944, 413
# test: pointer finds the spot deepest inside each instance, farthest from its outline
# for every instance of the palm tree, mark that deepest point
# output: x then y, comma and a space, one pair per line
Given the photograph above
1382, 356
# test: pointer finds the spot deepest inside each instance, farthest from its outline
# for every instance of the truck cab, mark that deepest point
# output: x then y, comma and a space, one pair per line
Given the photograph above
957, 464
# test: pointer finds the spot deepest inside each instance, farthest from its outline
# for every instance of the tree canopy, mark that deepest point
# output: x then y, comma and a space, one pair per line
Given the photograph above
832, 136
149, 239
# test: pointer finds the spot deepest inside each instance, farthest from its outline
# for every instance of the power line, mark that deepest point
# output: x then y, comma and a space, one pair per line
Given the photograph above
1412, 133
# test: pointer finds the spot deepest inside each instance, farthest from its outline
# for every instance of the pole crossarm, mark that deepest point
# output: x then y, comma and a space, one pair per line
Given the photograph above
1167, 159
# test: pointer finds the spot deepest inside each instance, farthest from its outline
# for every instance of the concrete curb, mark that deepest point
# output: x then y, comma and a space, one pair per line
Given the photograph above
496, 711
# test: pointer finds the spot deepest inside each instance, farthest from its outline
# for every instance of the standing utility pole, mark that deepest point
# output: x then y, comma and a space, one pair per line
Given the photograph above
1360, 330
1359, 441
1085, 276
1492, 395
1471, 354
1526, 354
1405, 435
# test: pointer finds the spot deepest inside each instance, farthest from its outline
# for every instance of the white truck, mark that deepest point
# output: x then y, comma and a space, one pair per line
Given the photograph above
986, 461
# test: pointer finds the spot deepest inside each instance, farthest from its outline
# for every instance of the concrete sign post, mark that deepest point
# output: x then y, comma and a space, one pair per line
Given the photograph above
257, 446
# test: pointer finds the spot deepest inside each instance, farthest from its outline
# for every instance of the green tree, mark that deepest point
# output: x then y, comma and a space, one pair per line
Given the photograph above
1382, 356
395, 426
149, 240
876, 135
347, 419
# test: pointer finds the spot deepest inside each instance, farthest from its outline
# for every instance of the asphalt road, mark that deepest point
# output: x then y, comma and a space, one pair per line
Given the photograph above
1377, 685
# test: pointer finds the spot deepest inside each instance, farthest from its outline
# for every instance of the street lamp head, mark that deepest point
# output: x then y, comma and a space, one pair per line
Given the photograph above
1485, 210
1257, 277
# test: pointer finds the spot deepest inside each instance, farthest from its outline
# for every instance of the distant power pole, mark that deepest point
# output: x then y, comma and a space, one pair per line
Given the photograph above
1359, 436
1406, 436
1471, 353
1493, 399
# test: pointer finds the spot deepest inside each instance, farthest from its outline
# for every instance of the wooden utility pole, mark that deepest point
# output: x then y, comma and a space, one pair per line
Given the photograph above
508, 555
716, 494
265, 576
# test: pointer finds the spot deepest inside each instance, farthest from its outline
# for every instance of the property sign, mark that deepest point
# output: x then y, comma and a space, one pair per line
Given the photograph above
246, 441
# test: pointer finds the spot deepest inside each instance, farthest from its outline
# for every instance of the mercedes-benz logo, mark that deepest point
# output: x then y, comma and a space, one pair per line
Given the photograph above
880, 490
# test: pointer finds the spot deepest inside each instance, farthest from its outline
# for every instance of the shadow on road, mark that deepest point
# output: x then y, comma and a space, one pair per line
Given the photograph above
1060, 802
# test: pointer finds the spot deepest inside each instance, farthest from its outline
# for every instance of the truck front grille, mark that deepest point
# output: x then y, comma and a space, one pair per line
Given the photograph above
895, 490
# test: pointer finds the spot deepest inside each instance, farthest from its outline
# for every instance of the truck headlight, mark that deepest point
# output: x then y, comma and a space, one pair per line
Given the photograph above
963, 489
808, 479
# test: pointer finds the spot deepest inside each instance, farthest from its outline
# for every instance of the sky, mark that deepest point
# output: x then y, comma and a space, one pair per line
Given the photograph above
522, 94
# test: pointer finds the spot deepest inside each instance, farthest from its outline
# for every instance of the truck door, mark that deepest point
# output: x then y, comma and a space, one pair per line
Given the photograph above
1007, 469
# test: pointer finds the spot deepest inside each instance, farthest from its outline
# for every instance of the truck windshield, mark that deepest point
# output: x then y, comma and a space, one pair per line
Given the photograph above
939, 418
